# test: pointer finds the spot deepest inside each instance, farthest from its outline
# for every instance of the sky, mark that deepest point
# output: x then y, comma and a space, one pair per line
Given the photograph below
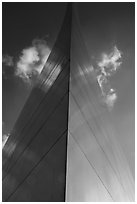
29, 32
26, 24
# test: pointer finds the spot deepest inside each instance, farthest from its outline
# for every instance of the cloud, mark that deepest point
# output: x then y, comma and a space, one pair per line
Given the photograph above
110, 100
7, 60
25, 65
107, 66
7, 66
43, 50
32, 60
110, 62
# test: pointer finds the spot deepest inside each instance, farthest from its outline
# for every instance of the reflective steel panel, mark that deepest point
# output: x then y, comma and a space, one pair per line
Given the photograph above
97, 169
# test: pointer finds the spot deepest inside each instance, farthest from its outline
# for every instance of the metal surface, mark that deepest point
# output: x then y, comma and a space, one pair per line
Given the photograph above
97, 169
34, 157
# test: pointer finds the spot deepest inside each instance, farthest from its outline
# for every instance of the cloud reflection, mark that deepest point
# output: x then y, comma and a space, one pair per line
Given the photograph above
107, 66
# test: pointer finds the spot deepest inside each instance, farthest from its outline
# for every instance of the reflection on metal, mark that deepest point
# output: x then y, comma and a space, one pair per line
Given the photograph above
8, 150
96, 169
53, 75
4, 139
35, 169
106, 68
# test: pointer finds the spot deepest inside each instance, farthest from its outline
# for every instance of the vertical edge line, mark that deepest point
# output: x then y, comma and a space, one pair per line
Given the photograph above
66, 164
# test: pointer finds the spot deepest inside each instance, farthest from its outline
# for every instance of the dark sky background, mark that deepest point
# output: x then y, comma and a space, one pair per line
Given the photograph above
103, 26
22, 23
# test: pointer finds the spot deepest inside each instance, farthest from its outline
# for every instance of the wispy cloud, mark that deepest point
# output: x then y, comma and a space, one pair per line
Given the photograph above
32, 60
110, 99
107, 66
109, 63
7, 60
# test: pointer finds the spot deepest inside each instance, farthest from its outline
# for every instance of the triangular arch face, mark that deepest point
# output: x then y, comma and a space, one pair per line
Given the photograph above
95, 161
34, 157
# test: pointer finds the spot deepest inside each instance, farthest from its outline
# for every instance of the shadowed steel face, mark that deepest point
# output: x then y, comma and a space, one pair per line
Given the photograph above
34, 157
